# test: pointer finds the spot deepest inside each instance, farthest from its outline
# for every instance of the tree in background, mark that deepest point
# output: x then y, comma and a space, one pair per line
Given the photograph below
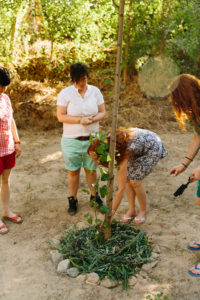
84, 29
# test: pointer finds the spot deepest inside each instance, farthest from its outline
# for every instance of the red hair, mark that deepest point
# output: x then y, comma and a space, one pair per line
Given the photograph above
185, 98
122, 137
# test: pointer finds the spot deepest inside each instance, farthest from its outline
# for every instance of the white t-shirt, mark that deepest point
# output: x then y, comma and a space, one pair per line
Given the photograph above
75, 105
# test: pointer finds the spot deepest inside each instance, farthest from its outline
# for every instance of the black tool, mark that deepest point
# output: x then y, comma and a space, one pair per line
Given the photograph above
181, 188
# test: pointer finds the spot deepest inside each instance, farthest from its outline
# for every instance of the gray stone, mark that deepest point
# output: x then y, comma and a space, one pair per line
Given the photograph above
157, 249
56, 257
143, 274
154, 255
55, 243
73, 272
132, 281
63, 266
93, 278
151, 238
81, 278
108, 283
148, 267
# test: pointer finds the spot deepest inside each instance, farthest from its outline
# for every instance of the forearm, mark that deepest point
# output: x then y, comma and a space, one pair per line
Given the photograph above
192, 150
14, 131
98, 117
64, 118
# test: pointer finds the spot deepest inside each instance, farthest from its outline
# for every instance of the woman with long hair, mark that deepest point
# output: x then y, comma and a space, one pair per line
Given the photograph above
137, 153
185, 98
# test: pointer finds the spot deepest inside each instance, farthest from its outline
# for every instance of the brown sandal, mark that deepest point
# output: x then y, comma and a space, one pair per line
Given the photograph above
13, 219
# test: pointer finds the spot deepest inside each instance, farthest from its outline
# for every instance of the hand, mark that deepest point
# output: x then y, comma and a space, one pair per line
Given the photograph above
86, 120
17, 150
195, 175
177, 170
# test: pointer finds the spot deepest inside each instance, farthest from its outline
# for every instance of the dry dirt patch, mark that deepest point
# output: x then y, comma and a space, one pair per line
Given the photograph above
39, 193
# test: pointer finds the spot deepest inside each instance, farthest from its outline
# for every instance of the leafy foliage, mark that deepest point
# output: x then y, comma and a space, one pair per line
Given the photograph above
65, 31
119, 257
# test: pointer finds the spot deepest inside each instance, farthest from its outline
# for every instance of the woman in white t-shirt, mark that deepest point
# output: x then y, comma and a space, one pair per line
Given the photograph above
80, 107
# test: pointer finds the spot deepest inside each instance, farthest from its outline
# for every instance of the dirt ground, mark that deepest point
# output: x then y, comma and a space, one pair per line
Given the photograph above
39, 194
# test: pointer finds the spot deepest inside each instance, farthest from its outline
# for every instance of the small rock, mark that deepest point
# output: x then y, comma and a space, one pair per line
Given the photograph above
157, 249
108, 283
150, 237
73, 272
56, 257
81, 225
93, 278
54, 242
139, 277
132, 281
148, 267
143, 274
154, 255
149, 234
81, 277
63, 266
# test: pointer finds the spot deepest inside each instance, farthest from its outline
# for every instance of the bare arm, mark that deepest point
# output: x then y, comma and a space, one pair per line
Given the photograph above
192, 150
63, 117
195, 175
16, 138
100, 115
121, 182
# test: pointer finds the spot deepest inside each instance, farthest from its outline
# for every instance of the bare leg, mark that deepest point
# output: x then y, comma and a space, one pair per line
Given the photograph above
73, 182
91, 178
141, 196
130, 192
5, 195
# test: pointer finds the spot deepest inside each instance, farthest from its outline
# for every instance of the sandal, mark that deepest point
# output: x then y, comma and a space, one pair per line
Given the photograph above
139, 220
3, 231
15, 219
194, 268
126, 220
194, 244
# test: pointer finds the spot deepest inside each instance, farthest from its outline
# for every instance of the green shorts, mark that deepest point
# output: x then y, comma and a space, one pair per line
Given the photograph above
198, 189
75, 154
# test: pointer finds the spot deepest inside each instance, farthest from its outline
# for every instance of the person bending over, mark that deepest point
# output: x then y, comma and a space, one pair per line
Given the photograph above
137, 153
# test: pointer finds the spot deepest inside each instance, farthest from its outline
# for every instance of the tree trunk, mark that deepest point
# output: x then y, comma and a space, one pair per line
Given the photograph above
13, 29
39, 19
125, 71
166, 12
51, 54
108, 216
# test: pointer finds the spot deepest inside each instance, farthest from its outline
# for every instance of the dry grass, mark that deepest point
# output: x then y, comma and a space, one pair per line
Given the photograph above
34, 104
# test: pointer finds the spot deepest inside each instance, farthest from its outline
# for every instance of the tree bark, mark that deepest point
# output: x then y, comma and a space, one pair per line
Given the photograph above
39, 19
13, 29
125, 71
51, 54
108, 216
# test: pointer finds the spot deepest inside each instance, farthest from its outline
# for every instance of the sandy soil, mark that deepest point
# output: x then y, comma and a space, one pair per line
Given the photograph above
39, 194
